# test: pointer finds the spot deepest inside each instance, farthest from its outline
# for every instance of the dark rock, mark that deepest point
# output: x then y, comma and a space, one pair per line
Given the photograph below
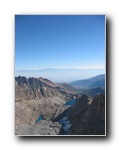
85, 117
89, 119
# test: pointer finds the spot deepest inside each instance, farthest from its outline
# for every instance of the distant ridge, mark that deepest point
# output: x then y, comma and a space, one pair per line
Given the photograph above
94, 82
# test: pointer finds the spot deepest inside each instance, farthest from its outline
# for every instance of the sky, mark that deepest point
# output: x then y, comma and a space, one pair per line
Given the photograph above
59, 41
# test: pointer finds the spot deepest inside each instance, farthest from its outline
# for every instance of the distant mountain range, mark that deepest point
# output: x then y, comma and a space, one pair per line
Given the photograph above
60, 75
94, 82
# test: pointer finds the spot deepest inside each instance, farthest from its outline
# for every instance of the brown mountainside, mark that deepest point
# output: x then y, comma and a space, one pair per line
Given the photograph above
35, 97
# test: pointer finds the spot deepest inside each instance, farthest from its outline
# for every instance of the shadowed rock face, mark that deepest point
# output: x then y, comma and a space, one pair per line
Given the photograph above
86, 116
90, 118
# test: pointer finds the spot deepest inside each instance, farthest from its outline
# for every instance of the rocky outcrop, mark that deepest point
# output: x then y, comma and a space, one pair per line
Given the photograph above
38, 88
33, 88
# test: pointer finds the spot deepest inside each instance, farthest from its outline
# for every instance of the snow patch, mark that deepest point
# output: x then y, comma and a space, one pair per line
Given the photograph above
65, 124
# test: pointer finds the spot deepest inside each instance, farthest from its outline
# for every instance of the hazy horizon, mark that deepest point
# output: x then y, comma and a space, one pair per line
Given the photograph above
61, 75
62, 68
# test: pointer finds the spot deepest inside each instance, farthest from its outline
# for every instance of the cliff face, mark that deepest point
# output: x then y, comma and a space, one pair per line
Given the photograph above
85, 117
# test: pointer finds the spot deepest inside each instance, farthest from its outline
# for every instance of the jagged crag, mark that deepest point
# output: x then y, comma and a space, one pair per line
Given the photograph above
38, 97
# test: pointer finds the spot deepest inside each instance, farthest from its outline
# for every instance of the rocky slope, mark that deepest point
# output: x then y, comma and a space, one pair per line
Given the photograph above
38, 97
44, 127
35, 97
85, 117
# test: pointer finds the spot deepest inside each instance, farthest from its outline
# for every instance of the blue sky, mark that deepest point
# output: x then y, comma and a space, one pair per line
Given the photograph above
59, 41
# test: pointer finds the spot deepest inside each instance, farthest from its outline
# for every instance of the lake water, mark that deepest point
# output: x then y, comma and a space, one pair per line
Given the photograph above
65, 123
39, 119
71, 102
